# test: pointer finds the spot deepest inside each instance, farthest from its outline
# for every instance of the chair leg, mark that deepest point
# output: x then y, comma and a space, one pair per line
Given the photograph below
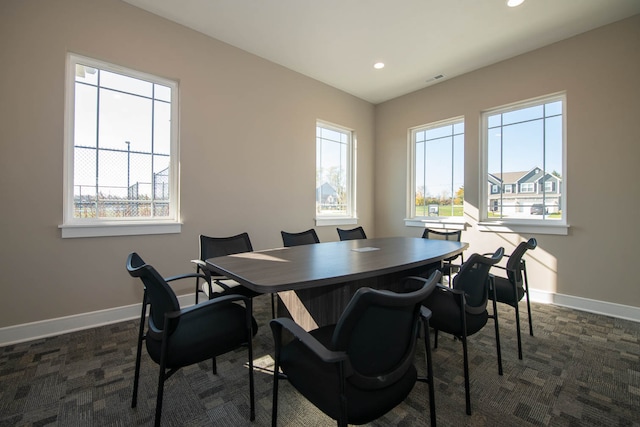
274, 404
435, 339
197, 285
252, 400
273, 306
158, 414
432, 393
495, 322
518, 331
529, 311
277, 337
526, 291
136, 375
342, 421
467, 385
214, 366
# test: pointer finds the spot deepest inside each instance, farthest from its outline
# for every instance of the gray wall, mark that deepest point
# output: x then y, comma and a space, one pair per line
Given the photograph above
247, 135
599, 70
248, 126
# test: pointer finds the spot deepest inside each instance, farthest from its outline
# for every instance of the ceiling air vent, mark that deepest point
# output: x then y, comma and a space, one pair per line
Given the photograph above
434, 78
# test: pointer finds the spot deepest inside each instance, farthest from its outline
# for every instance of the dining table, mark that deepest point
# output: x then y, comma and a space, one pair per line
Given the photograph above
315, 282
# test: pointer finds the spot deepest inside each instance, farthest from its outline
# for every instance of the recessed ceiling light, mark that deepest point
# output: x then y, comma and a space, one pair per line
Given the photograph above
378, 65
514, 3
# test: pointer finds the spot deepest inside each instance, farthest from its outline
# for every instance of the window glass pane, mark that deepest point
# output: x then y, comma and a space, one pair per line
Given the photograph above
524, 157
84, 172
439, 170
332, 171
162, 93
522, 146
86, 74
522, 115
553, 108
121, 143
123, 118
85, 120
162, 128
494, 121
125, 84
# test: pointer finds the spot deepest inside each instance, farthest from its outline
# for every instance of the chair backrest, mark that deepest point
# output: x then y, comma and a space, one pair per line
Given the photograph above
473, 280
353, 234
378, 330
211, 247
158, 293
514, 264
303, 238
455, 235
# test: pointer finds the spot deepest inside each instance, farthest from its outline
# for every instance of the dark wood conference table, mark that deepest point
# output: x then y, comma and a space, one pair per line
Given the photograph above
315, 282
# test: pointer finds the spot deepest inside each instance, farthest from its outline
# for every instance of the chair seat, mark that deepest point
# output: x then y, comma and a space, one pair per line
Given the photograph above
446, 315
320, 383
195, 340
505, 291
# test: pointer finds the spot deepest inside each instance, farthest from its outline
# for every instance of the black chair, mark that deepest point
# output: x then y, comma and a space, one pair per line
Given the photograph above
462, 310
448, 268
353, 234
362, 367
308, 237
511, 289
177, 337
211, 247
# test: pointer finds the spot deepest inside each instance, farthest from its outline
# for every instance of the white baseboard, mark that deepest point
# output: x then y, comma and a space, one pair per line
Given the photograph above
620, 311
62, 325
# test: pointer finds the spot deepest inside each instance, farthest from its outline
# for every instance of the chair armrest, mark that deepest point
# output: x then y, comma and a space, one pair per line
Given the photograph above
184, 276
326, 355
425, 313
201, 265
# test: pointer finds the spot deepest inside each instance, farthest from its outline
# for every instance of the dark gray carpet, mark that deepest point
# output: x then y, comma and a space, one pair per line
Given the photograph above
580, 369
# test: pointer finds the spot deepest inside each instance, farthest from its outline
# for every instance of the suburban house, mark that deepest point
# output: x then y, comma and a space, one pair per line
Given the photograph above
520, 193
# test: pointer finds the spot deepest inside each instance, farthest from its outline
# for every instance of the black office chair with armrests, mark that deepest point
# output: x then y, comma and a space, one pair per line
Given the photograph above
511, 289
307, 237
353, 234
462, 310
448, 268
177, 337
362, 367
211, 247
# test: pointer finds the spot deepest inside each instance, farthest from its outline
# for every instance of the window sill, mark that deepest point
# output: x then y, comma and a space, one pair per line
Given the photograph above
437, 223
536, 228
327, 221
118, 229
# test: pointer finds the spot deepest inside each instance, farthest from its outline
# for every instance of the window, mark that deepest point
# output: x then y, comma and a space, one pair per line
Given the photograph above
335, 182
507, 188
437, 168
121, 150
523, 149
527, 187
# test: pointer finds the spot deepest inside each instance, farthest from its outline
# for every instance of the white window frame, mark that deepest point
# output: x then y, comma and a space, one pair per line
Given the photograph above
412, 220
521, 225
350, 217
94, 227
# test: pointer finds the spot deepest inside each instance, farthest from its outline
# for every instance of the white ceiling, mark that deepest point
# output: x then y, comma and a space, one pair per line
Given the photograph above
338, 41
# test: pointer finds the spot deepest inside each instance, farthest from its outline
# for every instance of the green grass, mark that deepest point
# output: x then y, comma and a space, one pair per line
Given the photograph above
445, 210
